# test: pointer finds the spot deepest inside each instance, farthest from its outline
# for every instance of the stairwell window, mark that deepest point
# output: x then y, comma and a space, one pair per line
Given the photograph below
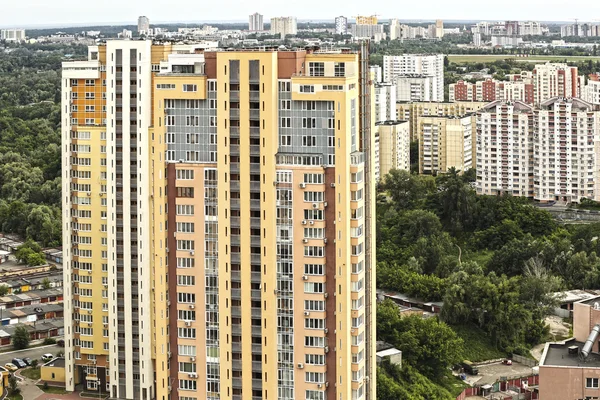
591, 383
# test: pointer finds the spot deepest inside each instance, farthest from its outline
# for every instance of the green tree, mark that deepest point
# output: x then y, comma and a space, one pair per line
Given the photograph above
20, 338
46, 283
3, 290
13, 388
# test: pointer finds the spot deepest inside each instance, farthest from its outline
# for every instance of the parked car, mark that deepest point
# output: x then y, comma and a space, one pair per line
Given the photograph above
60, 343
507, 361
47, 357
19, 363
27, 360
469, 368
10, 367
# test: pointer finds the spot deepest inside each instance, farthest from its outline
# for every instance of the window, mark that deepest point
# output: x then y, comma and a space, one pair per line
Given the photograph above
316, 215
314, 359
309, 141
185, 350
286, 140
185, 192
185, 262
314, 196
187, 384
307, 89
186, 297
186, 280
339, 69
286, 105
190, 88
186, 174
185, 245
313, 178
313, 269
316, 69
186, 227
184, 209
186, 333
314, 287
309, 123
286, 122
314, 341
314, 251
314, 305
314, 323
314, 395
591, 383
356, 195
315, 377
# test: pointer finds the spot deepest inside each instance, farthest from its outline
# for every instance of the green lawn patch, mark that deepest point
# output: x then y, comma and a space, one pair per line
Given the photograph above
478, 346
14, 397
31, 373
452, 384
480, 257
53, 390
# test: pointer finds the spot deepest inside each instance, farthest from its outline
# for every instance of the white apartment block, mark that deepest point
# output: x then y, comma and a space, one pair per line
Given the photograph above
555, 80
255, 22
591, 92
12, 35
284, 26
411, 65
385, 102
367, 31
504, 149
392, 147
566, 151
143, 25
415, 87
341, 25
376, 73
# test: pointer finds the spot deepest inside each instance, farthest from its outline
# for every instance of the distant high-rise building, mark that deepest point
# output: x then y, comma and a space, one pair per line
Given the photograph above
395, 29
446, 142
491, 90
366, 20
376, 72
341, 25
439, 29
143, 24
210, 249
385, 102
367, 28
284, 26
555, 80
416, 70
12, 35
255, 22
477, 39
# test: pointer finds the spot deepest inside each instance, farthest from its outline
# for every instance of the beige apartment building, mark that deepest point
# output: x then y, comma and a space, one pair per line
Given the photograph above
392, 147
411, 112
217, 223
446, 142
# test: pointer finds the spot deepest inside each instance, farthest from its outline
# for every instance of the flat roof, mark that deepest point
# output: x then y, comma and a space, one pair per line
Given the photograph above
57, 362
558, 355
388, 352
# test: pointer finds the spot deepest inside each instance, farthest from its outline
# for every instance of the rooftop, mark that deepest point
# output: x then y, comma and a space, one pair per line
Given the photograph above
392, 122
57, 362
557, 355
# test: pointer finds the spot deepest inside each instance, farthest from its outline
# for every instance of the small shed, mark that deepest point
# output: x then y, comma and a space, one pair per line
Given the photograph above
393, 355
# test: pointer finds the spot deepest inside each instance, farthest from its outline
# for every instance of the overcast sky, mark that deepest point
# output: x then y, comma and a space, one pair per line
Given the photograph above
26, 13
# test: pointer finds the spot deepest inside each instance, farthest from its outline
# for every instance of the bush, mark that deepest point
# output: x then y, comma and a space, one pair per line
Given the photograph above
20, 338
34, 363
49, 341
45, 386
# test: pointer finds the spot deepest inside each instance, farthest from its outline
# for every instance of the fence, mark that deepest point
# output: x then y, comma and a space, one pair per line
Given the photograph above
506, 385
524, 360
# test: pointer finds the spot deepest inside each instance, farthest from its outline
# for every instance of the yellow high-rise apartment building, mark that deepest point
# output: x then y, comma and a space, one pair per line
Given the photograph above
217, 224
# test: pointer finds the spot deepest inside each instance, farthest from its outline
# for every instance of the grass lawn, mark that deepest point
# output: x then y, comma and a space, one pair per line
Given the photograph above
53, 390
475, 58
31, 373
478, 346
480, 257
14, 397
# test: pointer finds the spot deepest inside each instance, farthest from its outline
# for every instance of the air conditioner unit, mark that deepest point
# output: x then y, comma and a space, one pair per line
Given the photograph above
303, 222
193, 375
326, 295
326, 384
332, 185
306, 313
274, 183
192, 252
319, 385
167, 249
169, 354
192, 359
90, 272
312, 222
89, 194
90, 311
303, 186
89, 324
77, 322
325, 204
326, 349
101, 194
305, 240
169, 387
304, 277
315, 205
326, 330
300, 365
324, 240
188, 323
168, 302
192, 306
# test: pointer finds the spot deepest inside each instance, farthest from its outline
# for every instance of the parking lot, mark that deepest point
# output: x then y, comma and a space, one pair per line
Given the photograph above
491, 373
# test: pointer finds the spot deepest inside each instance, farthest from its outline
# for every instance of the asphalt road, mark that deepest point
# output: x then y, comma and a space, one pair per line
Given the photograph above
34, 353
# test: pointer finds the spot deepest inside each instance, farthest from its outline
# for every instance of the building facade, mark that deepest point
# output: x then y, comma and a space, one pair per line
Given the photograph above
566, 149
392, 147
341, 25
284, 26
555, 80
143, 25
490, 90
413, 66
210, 197
385, 102
446, 142
13, 35
504, 149
255, 22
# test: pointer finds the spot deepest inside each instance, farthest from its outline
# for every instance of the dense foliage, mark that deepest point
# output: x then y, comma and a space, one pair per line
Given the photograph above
30, 184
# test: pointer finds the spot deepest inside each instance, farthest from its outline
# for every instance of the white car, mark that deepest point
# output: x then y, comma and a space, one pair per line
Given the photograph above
47, 357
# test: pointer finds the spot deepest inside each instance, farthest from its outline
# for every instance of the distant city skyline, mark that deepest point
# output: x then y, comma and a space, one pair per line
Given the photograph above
36, 13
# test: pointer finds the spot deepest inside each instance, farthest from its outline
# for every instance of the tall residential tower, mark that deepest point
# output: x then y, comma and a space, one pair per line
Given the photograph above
218, 239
